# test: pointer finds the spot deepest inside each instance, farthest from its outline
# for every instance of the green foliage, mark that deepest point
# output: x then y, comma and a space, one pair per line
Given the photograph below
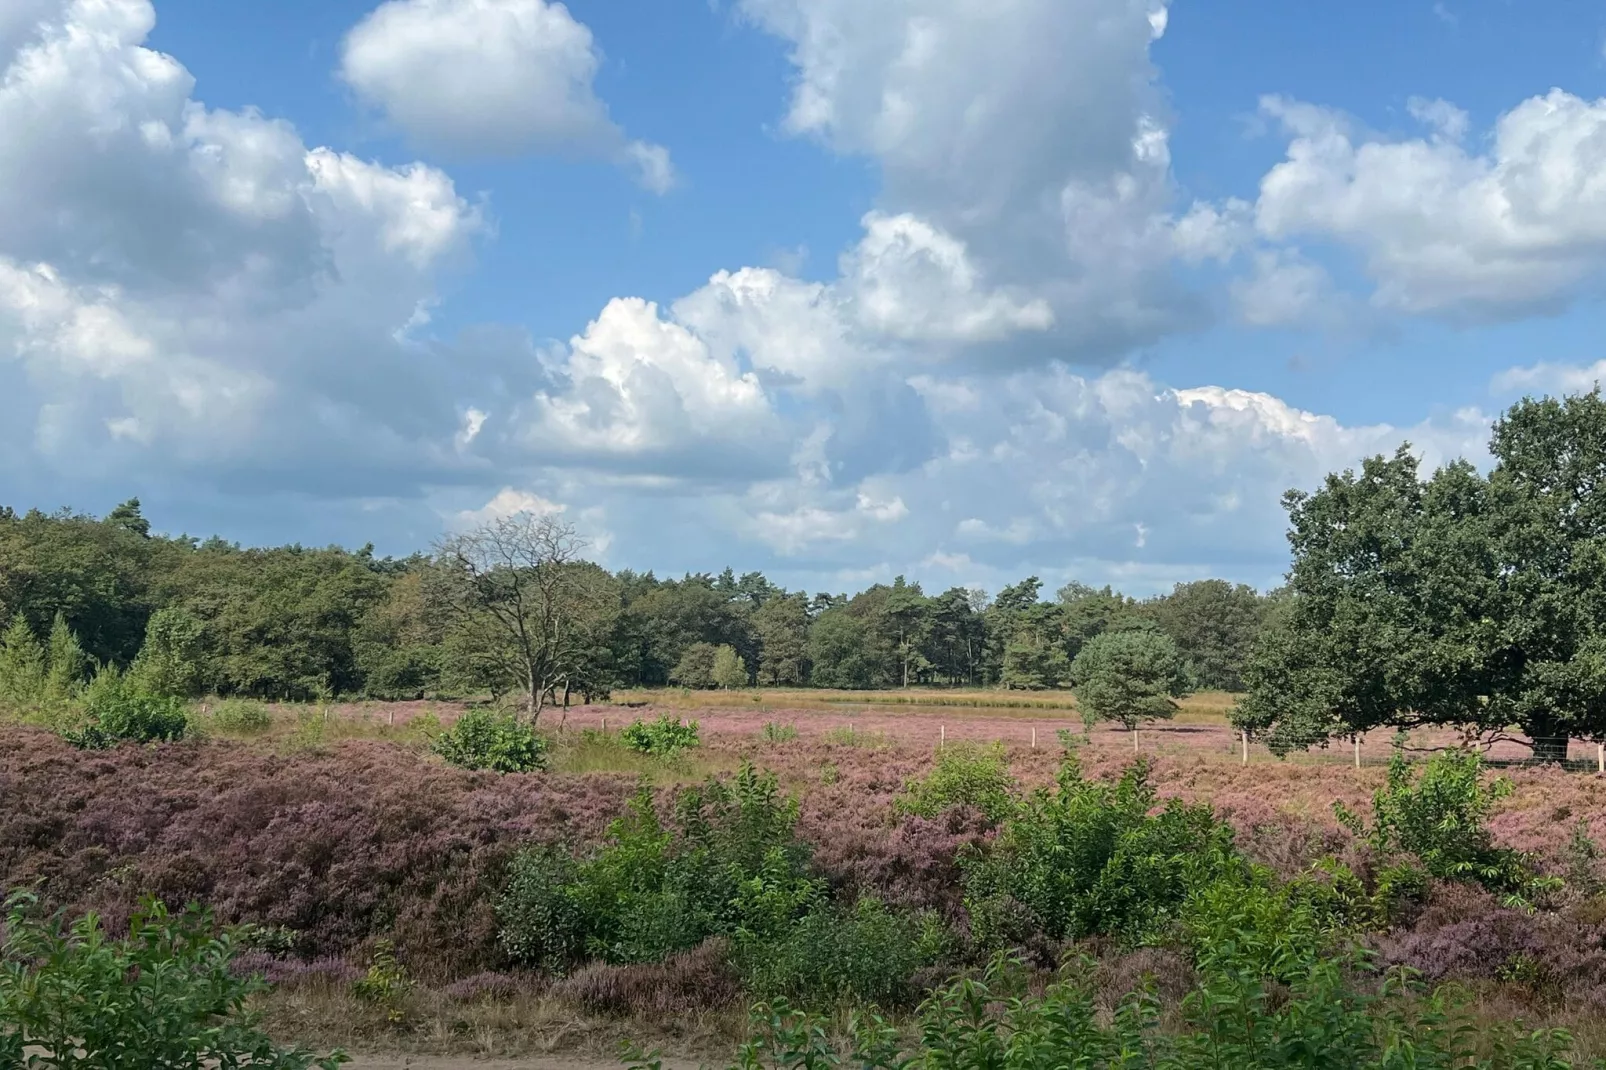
1214, 624
663, 738
1458, 599
781, 626
1440, 818
729, 671
170, 663
116, 711
1236, 1017
1129, 676
68, 664
1583, 861
163, 996
387, 983
863, 954
483, 738
241, 716
839, 651
23, 668
1091, 858
775, 732
696, 666
1034, 659
727, 860
964, 775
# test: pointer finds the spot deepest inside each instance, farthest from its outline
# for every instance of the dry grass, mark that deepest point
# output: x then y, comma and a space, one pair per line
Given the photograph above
323, 1016
1204, 708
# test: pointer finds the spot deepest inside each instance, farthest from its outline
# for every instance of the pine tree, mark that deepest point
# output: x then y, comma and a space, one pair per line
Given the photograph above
68, 664
22, 666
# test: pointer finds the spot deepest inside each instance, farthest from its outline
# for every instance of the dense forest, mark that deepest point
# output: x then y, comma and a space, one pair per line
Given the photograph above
293, 622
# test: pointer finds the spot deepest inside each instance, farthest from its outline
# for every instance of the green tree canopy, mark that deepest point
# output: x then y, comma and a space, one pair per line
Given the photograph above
729, 670
1129, 676
1460, 599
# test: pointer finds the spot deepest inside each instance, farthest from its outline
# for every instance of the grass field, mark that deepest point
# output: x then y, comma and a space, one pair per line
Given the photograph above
1207, 707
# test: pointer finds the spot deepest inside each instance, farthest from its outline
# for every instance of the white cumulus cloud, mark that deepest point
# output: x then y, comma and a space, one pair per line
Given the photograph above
1499, 228
492, 77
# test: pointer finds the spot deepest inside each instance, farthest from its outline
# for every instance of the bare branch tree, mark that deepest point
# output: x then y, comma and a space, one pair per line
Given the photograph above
521, 598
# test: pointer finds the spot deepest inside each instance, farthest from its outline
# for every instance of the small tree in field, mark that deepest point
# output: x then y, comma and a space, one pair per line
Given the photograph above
730, 671
1130, 676
525, 608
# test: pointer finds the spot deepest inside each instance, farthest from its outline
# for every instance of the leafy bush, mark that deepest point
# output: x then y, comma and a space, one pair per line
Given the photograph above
654, 889
241, 715
863, 954
163, 996
775, 732
1440, 818
1233, 1018
1090, 858
663, 738
965, 775
116, 711
386, 984
486, 739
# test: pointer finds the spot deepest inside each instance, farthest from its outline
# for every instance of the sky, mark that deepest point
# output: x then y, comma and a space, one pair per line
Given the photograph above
834, 290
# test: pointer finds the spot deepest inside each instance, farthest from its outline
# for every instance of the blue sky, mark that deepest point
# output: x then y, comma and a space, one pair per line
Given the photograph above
832, 289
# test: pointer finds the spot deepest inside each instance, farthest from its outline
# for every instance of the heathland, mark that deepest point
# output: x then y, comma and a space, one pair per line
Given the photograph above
498, 800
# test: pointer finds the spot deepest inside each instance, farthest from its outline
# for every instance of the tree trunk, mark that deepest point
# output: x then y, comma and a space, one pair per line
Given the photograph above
1549, 748
1549, 742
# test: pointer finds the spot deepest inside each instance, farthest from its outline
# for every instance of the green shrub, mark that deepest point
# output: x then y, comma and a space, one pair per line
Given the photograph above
1232, 1019
1090, 858
1440, 819
386, 984
663, 738
115, 712
965, 775
163, 996
242, 716
485, 739
655, 888
863, 954
775, 732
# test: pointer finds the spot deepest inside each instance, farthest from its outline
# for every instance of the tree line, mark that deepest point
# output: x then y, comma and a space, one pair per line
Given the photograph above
1463, 598
514, 607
